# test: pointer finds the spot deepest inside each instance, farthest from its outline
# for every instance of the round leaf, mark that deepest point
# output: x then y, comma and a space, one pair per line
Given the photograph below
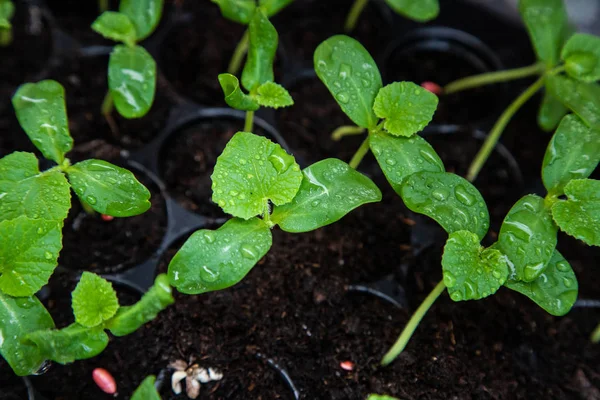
449, 199
261, 52
581, 55
270, 94
406, 108
352, 77
251, 171
94, 300
419, 10
239, 11
470, 271
145, 15
214, 260
115, 26
330, 190
579, 215
580, 97
234, 96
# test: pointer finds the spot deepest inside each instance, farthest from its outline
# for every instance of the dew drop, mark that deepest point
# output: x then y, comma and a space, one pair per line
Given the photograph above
456, 296
568, 282
40, 231
209, 237
463, 196
91, 200
248, 252
280, 160
207, 274
440, 194
342, 98
345, 71
449, 279
48, 255
390, 161
562, 266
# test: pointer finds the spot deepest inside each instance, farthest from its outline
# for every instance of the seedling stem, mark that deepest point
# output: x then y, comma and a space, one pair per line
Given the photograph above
103, 5
249, 121
346, 130
238, 54
353, 15
595, 337
360, 153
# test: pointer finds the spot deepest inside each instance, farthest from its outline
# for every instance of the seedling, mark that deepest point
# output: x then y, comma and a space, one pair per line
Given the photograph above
7, 11
147, 390
194, 375
380, 397
568, 67
242, 12
257, 76
261, 185
131, 69
34, 204
30, 337
417, 10
525, 258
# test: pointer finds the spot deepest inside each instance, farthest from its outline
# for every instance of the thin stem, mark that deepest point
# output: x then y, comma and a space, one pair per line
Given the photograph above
6, 37
249, 121
107, 104
360, 153
412, 325
353, 15
595, 337
493, 77
496, 132
238, 54
346, 130
103, 5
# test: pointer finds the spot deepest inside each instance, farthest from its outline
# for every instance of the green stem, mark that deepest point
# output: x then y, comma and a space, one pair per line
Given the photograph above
493, 77
107, 104
595, 337
6, 37
249, 121
496, 132
238, 54
353, 15
360, 153
412, 325
346, 130
103, 5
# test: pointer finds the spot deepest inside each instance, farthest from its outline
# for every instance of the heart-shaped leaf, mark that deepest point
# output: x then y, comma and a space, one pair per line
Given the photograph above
261, 52
579, 215
115, 26
94, 300
145, 15
581, 55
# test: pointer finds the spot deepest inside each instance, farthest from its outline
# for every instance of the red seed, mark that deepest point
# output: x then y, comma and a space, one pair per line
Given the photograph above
347, 365
107, 218
104, 380
432, 87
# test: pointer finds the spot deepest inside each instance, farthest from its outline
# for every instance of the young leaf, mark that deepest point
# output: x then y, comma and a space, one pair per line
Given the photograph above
418, 10
330, 190
270, 94
555, 290
28, 259
7, 9
400, 157
42, 113
551, 112
528, 238
94, 300
129, 318
145, 15
352, 77
470, 271
251, 171
547, 23
239, 11
234, 96
573, 153
19, 316
406, 108
146, 390
115, 26
449, 199
581, 55
214, 260
26, 191
580, 97
261, 52
579, 215
272, 7
75, 342
132, 80
108, 189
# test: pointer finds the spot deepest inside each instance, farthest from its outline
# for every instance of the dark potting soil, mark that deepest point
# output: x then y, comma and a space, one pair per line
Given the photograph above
12, 387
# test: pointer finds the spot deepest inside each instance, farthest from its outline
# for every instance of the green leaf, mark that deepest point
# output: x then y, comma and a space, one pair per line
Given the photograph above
7, 9
146, 390
381, 397
330, 190
551, 112
214, 260
271, 94
528, 238
26, 191
579, 215
581, 55
580, 97
94, 300
573, 153
239, 11
129, 318
251, 171
418, 10
18, 317
273, 7
547, 24
400, 157
470, 271
109, 189
132, 80
261, 52
145, 15
555, 290
115, 26
406, 108
234, 96
42, 113
30, 256
449, 199
75, 342
352, 77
